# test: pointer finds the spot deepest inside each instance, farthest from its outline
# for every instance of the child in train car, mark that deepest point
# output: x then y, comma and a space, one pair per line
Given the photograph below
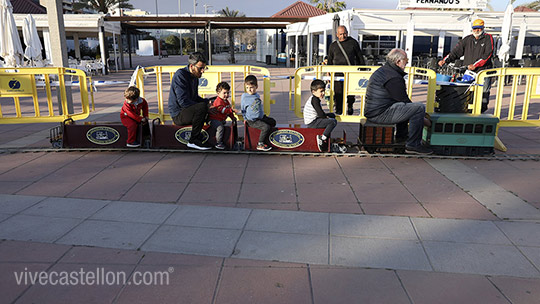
223, 110
134, 112
252, 109
315, 117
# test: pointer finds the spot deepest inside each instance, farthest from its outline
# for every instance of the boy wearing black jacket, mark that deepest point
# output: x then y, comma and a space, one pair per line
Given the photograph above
315, 117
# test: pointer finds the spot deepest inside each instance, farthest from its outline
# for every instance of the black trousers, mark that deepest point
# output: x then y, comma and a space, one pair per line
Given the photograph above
195, 116
338, 97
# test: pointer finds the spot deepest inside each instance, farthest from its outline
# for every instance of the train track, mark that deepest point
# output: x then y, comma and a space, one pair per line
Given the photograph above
497, 157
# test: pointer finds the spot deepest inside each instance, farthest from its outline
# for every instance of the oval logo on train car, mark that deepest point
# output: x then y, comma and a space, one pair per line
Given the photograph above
183, 135
103, 135
286, 139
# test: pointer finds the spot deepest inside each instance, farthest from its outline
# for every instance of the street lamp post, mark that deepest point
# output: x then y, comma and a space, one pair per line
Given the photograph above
178, 30
195, 29
159, 35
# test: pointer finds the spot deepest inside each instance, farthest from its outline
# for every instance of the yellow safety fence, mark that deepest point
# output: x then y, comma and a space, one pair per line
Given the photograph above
152, 84
24, 85
515, 88
355, 83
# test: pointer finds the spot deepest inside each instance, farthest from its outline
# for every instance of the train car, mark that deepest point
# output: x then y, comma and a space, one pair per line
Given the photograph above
177, 137
103, 135
450, 134
461, 134
294, 138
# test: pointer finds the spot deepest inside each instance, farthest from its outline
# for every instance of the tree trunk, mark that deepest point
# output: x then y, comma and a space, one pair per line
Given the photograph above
231, 47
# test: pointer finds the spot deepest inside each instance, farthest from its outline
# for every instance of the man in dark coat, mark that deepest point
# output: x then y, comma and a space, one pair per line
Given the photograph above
387, 102
336, 56
185, 105
477, 50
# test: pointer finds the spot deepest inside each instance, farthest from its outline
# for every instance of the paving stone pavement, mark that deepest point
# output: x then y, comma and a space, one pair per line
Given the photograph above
442, 245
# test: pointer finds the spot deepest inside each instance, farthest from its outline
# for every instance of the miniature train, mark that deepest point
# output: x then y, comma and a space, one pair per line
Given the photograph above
449, 134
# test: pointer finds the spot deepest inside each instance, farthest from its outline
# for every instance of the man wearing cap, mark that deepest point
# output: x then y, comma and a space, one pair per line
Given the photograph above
477, 50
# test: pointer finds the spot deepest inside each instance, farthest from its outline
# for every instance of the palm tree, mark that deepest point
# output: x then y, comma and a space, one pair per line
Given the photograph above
535, 5
231, 13
102, 6
330, 6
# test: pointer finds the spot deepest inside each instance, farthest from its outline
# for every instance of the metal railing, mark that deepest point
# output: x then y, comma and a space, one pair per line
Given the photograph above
23, 85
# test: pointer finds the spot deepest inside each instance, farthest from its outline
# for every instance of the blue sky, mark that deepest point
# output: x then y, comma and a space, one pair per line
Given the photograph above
265, 8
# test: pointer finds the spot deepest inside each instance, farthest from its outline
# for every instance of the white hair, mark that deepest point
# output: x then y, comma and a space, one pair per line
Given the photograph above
395, 55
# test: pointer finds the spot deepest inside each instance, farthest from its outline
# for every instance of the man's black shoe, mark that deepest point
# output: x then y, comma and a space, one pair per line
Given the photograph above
350, 110
418, 150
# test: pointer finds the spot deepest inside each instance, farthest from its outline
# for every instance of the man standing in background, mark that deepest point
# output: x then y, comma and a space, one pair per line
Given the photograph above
344, 51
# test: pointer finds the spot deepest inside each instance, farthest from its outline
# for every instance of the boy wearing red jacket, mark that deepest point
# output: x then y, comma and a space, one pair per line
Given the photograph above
130, 115
223, 110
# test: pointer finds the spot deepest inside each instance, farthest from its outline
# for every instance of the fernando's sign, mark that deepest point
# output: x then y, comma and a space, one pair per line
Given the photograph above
466, 4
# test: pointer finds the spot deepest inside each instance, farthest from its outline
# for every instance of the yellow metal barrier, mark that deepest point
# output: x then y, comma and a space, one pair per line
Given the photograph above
513, 111
355, 83
22, 85
207, 84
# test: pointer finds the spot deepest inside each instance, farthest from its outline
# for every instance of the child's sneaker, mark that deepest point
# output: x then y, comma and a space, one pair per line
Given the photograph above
220, 146
321, 144
134, 144
263, 147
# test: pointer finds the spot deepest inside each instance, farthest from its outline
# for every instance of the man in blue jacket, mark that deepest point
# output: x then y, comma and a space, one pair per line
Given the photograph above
185, 105
387, 102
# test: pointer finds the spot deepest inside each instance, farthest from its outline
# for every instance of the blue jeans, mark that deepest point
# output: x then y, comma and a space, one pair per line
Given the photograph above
400, 113
220, 128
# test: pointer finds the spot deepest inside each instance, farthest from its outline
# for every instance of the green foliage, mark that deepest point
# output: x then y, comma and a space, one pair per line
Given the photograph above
102, 6
189, 44
535, 5
330, 6
172, 44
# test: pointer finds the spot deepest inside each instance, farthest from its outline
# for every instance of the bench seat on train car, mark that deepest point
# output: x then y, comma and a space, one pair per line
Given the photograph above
171, 136
96, 135
285, 137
